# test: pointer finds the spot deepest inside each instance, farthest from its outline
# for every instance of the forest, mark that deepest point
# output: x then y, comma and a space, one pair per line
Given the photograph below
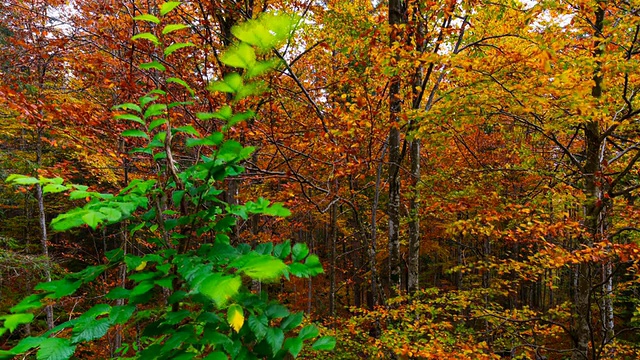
320, 179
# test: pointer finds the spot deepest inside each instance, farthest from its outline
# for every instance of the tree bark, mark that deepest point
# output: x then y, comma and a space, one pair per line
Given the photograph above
396, 17
413, 274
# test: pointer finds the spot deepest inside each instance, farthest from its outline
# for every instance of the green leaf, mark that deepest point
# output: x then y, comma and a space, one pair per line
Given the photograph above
153, 65
235, 317
241, 56
147, 18
55, 349
275, 338
267, 31
154, 110
147, 99
309, 332
217, 355
90, 330
146, 36
175, 47
118, 293
314, 267
211, 140
93, 218
220, 288
277, 209
300, 251
293, 345
262, 267
155, 123
325, 343
187, 129
181, 82
262, 67
27, 344
129, 117
168, 7
135, 133
276, 311
59, 288
127, 106
112, 214
54, 188
224, 113
28, 303
258, 325
12, 321
22, 179
173, 27
291, 322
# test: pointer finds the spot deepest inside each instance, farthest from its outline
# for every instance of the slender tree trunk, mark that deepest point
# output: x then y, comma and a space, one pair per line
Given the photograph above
413, 275
396, 17
43, 227
332, 269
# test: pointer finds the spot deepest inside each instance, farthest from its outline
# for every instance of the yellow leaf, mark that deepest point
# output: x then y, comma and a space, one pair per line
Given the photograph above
235, 317
141, 266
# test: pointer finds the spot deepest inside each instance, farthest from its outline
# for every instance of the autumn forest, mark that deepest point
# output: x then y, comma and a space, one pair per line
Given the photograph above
253, 179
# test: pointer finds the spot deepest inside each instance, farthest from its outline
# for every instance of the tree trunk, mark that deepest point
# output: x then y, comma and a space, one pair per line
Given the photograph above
413, 278
593, 207
43, 227
396, 17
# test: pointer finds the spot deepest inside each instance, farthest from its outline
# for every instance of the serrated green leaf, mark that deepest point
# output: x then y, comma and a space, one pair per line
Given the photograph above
129, 117
54, 188
293, 346
241, 56
175, 47
22, 179
173, 27
59, 288
154, 110
152, 65
262, 267
181, 82
146, 36
118, 293
127, 106
155, 123
277, 209
314, 267
211, 140
55, 349
267, 31
235, 317
276, 311
147, 18
262, 67
258, 325
220, 288
12, 321
300, 251
187, 129
112, 214
275, 339
90, 330
93, 218
135, 133
28, 303
217, 355
291, 322
309, 332
324, 343
168, 7
147, 99
224, 113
